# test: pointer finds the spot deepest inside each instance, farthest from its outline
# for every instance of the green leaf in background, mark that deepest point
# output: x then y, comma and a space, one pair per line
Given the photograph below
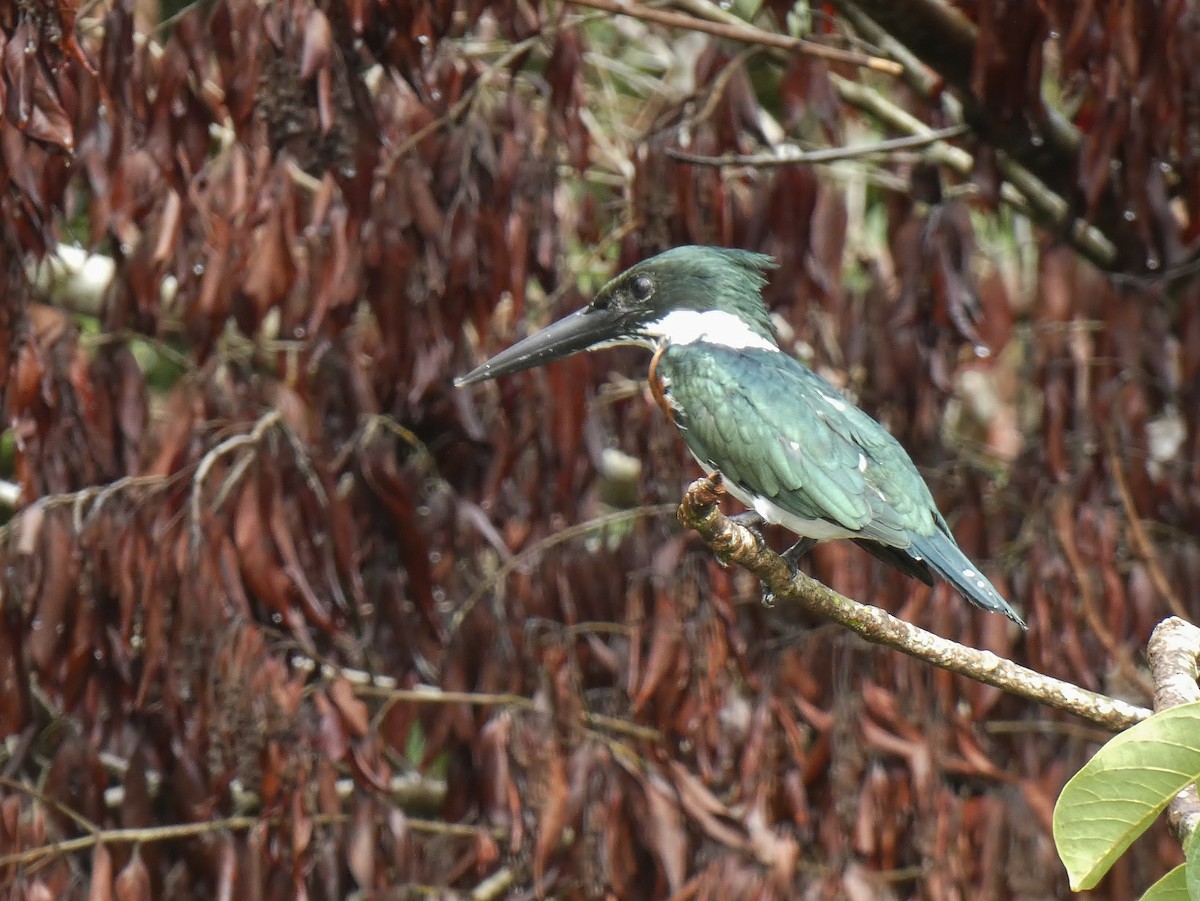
1119, 793
1171, 887
1192, 851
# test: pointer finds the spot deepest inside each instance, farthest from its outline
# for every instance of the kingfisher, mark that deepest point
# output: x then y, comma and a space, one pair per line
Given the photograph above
786, 443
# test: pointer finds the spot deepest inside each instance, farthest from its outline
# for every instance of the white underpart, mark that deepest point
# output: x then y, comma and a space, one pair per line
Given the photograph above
710, 326
820, 529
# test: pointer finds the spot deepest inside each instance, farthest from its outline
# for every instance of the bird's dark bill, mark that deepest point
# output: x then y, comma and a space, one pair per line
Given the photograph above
582, 330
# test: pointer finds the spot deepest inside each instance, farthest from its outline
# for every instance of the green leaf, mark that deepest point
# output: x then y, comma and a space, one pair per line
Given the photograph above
1120, 792
1171, 887
1192, 850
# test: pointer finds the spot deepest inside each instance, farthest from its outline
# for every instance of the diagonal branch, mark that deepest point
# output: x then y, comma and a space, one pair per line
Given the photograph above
737, 544
737, 30
789, 155
1045, 146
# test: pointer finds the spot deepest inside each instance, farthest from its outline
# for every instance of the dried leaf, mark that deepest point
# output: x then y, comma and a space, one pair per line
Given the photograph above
100, 886
352, 710
133, 882
552, 817
318, 44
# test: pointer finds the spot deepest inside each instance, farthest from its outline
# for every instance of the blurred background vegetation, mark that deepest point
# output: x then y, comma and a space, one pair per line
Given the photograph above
285, 615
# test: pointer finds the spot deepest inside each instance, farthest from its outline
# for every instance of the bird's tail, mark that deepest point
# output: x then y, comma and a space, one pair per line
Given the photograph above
949, 562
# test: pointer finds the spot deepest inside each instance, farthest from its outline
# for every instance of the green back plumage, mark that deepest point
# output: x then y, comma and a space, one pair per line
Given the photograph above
772, 425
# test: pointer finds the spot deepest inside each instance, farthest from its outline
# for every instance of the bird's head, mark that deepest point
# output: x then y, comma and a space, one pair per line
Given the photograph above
683, 295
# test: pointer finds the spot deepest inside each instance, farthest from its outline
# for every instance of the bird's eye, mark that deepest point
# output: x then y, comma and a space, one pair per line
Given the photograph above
642, 288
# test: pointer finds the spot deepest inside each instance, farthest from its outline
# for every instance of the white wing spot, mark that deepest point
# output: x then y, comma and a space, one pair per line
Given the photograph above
838, 405
794, 445
982, 584
969, 573
862, 462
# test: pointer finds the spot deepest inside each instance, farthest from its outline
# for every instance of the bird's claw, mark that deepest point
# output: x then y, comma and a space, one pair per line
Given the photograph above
792, 558
751, 521
793, 555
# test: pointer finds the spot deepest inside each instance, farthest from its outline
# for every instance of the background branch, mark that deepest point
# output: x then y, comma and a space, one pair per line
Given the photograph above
1047, 148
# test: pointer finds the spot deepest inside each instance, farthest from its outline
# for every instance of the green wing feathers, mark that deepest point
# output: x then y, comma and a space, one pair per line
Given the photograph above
777, 429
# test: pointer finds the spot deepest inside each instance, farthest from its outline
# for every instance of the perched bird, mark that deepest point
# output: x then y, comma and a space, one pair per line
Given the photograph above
787, 444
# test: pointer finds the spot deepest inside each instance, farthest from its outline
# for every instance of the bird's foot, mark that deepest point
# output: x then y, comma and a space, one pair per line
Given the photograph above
792, 558
748, 520
751, 520
793, 555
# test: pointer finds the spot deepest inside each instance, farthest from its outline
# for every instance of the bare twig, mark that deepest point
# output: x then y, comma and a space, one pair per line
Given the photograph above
1141, 542
265, 422
79, 500
746, 34
178, 831
787, 155
1036, 154
738, 544
463, 103
494, 886
591, 257
432, 695
1022, 189
550, 541
75, 816
1063, 528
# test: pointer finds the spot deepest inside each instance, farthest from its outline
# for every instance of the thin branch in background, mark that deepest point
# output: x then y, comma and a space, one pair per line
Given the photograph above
550, 541
1141, 542
716, 90
590, 258
75, 816
433, 695
1063, 517
177, 831
743, 32
1021, 189
787, 155
736, 544
265, 422
464, 102
494, 886
95, 495
1046, 205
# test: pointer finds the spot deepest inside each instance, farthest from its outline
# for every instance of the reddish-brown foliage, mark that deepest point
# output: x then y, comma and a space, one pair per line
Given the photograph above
273, 583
